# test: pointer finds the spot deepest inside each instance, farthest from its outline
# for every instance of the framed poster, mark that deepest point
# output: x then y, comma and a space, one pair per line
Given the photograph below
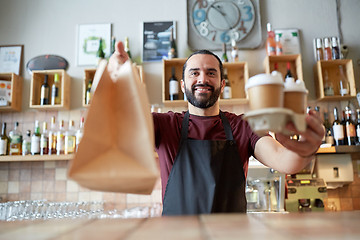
88, 42
156, 40
11, 58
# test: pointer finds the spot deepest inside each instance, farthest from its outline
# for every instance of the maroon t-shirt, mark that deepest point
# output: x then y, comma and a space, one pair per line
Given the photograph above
168, 132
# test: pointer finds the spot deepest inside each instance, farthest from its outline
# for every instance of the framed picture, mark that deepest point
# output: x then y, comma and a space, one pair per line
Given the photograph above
88, 40
11, 58
156, 40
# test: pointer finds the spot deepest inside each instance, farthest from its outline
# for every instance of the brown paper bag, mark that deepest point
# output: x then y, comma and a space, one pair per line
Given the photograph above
116, 153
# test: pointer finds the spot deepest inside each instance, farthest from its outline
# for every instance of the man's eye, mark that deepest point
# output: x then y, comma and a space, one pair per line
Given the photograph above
194, 74
211, 73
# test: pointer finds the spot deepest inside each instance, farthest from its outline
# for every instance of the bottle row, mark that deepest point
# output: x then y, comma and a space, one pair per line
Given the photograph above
52, 141
344, 130
326, 48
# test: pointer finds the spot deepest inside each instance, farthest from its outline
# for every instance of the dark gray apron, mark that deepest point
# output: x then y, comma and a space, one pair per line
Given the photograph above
207, 176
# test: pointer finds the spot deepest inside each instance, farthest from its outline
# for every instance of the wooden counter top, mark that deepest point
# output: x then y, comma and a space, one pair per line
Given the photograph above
328, 225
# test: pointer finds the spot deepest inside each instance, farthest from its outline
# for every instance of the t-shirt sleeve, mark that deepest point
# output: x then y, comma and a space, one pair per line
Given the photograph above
253, 137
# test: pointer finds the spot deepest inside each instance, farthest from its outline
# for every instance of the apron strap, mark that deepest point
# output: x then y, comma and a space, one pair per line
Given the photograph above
224, 120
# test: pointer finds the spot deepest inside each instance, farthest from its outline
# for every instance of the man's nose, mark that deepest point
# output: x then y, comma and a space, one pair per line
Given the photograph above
202, 78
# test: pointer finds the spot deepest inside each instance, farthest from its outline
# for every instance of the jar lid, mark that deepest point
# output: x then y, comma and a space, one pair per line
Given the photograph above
294, 86
265, 79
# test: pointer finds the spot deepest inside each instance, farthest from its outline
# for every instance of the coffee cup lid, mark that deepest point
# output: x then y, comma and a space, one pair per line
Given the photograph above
294, 86
265, 79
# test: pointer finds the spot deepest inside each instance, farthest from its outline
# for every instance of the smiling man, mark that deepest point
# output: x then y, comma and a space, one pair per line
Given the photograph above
204, 152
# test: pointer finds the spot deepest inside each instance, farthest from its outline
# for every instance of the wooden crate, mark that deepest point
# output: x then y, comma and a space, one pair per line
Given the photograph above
238, 75
295, 65
16, 92
35, 89
332, 68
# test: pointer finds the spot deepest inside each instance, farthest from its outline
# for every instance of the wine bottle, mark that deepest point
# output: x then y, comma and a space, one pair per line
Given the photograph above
127, 48
60, 139
288, 73
357, 127
100, 52
88, 92
327, 49
227, 88
279, 47
55, 90
350, 128
15, 140
70, 139
335, 48
4, 141
26, 144
224, 57
79, 133
173, 86
319, 49
270, 41
35, 139
328, 85
173, 50
44, 140
344, 83
45, 92
113, 43
52, 137
234, 51
338, 129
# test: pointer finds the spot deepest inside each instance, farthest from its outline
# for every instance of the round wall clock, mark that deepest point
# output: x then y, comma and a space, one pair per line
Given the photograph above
214, 22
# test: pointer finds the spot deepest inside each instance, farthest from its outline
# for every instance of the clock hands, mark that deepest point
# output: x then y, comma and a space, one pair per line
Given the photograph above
219, 9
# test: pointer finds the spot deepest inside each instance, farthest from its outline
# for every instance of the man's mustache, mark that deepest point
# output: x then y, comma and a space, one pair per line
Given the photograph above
202, 85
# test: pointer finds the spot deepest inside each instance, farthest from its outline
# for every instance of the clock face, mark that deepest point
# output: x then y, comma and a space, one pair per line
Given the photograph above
221, 21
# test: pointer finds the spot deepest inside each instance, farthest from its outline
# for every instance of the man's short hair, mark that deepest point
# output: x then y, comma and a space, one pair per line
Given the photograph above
204, 51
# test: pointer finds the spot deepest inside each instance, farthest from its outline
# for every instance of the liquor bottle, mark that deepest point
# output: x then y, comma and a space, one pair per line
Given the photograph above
60, 139
55, 90
45, 92
338, 129
344, 83
335, 48
44, 140
327, 49
79, 133
15, 140
127, 48
270, 41
350, 128
173, 86
328, 85
227, 89
319, 50
4, 141
173, 50
26, 144
328, 129
234, 51
100, 52
70, 139
224, 57
88, 94
343, 123
52, 137
279, 47
288, 73
35, 139
113, 43
357, 128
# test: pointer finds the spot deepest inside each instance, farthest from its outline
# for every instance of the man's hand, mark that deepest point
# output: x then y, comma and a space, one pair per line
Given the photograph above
310, 140
118, 58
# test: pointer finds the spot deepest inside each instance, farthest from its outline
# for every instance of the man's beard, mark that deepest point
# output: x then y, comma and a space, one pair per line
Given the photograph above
202, 101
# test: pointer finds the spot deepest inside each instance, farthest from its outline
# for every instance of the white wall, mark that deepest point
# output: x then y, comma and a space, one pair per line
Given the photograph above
49, 27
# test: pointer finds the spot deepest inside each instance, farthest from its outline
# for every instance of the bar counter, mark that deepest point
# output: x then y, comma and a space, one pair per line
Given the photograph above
327, 225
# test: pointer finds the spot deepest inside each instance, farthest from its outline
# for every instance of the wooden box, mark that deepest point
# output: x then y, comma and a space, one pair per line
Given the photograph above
238, 75
332, 69
35, 89
16, 92
281, 61
89, 75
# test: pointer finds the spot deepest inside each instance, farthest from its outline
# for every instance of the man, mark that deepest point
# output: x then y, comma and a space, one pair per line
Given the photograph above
204, 152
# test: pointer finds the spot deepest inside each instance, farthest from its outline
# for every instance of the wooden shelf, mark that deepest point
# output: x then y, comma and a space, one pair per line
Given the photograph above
340, 149
295, 65
20, 158
16, 92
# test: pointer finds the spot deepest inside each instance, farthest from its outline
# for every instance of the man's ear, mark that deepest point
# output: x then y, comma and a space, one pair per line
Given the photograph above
222, 85
182, 83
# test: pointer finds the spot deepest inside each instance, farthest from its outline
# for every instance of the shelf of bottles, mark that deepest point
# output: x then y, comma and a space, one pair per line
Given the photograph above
237, 73
285, 64
42, 89
11, 86
334, 80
